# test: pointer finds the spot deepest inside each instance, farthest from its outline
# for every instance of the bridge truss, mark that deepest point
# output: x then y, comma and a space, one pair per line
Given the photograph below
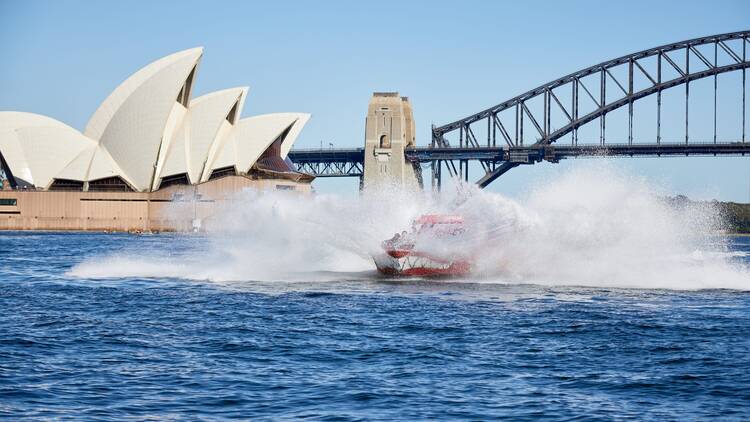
329, 162
497, 138
562, 107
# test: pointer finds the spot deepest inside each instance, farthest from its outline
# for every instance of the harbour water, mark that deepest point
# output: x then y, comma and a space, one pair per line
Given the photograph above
355, 347
608, 304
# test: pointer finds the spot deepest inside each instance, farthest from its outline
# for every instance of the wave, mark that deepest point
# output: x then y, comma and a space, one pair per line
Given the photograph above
594, 226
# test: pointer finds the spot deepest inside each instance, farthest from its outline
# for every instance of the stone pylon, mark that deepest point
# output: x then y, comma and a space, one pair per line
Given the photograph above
389, 129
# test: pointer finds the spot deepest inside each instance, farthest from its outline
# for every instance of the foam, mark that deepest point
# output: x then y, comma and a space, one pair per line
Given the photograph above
594, 226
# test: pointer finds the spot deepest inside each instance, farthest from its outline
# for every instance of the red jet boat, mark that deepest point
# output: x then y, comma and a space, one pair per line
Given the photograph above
400, 257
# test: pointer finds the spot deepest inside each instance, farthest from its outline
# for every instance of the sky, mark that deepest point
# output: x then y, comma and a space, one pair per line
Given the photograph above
62, 58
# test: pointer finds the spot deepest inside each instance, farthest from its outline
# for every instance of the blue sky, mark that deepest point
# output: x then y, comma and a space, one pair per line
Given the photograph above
62, 58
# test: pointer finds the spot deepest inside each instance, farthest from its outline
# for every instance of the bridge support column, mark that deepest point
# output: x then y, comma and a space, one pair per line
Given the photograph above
389, 129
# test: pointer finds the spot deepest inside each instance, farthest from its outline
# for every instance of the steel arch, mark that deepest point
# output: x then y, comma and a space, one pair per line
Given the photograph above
739, 61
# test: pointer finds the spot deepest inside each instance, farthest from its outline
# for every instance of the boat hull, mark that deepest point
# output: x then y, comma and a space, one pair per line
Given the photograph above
414, 265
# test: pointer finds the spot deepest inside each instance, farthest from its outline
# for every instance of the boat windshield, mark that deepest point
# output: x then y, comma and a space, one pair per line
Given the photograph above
439, 225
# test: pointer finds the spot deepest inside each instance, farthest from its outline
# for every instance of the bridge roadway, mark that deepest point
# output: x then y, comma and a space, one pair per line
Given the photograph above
349, 162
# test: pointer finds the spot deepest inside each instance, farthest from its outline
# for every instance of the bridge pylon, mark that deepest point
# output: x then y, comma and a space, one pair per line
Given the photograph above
389, 131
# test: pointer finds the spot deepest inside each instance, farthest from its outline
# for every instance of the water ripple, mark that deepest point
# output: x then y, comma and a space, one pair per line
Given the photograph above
358, 348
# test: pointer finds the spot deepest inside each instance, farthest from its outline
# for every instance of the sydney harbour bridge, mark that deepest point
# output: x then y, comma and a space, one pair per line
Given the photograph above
569, 117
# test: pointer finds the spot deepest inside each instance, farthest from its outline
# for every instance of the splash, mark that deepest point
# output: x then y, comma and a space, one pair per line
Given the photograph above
594, 226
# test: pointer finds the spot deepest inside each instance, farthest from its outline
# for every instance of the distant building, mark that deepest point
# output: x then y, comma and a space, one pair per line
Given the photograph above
149, 142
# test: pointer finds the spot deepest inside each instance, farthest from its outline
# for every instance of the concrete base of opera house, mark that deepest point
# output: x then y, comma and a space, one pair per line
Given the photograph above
174, 208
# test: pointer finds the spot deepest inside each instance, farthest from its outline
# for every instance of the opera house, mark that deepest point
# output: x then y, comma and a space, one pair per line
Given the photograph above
151, 157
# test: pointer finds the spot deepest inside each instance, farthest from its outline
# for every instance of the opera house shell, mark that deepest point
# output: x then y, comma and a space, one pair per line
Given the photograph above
148, 145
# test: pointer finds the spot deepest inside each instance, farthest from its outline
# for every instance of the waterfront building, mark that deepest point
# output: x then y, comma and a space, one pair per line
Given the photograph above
151, 157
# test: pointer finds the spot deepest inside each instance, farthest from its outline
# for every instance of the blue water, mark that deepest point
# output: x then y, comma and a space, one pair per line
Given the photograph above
357, 348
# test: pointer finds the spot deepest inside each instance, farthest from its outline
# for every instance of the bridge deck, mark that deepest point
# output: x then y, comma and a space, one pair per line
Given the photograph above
536, 153
349, 162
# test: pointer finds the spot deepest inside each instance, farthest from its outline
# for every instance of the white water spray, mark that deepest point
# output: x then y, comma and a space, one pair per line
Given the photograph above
592, 227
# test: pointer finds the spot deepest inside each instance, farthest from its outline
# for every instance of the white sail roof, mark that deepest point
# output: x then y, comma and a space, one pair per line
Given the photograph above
36, 147
91, 164
252, 136
111, 105
131, 123
209, 117
147, 129
291, 137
